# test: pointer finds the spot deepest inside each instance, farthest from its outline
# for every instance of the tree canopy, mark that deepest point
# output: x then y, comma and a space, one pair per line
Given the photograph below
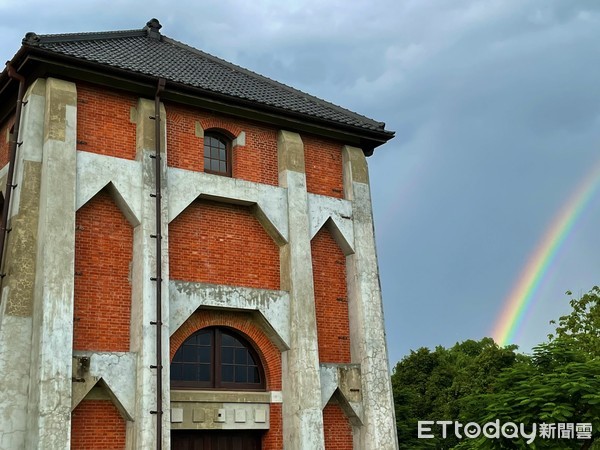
481, 382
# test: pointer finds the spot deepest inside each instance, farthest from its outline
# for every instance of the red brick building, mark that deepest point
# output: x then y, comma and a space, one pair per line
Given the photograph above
138, 168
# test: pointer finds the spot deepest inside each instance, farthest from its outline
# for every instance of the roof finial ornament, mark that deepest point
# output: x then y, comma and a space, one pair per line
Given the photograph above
153, 27
31, 38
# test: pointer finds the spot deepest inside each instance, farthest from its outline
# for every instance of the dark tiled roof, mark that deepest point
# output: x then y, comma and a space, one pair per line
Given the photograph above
149, 53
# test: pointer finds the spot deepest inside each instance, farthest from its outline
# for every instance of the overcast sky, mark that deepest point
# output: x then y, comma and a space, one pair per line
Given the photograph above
496, 109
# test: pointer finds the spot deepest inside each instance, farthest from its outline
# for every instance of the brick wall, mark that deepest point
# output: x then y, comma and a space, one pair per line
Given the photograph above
103, 253
4, 144
337, 429
256, 161
97, 425
103, 121
331, 298
224, 244
323, 162
273, 438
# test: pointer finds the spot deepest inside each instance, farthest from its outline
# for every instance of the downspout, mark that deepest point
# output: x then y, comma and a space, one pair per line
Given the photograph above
12, 73
158, 278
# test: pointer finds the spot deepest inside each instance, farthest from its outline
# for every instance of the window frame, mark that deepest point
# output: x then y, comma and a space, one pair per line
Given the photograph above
216, 382
228, 153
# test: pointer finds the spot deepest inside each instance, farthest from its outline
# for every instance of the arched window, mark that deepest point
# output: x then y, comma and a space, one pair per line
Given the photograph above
217, 154
217, 358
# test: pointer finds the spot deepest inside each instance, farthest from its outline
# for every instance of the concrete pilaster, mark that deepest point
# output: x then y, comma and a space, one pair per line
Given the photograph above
142, 432
18, 286
49, 408
367, 344
302, 415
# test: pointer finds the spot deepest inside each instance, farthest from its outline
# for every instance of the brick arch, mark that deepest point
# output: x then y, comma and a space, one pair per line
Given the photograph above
231, 130
243, 323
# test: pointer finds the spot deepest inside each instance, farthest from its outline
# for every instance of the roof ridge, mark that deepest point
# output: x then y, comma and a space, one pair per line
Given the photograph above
271, 81
34, 38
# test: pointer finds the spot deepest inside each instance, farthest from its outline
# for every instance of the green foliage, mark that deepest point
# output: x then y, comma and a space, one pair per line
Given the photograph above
433, 385
478, 381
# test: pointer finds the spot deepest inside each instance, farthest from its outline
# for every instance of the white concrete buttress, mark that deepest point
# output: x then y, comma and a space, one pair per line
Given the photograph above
368, 344
302, 415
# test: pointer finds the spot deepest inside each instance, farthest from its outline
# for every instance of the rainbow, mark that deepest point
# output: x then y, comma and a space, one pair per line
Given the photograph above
518, 303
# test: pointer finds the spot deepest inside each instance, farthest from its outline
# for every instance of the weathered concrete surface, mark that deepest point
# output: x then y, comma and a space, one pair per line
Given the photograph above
16, 305
94, 172
368, 344
186, 186
343, 382
186, 297
117, 371
49, 406
302, 415
142, 432
338, 212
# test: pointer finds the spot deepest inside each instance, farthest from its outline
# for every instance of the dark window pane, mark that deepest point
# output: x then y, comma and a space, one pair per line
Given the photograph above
190, 372
240, 374
214, 165
204, 339
189, 353
227, 355
204, 355
176, 372
251, 361
204, 372
228, 340
227, 373
240, 356
254, 376
222, 156
206, 163
206, 150
214, 153
223, 166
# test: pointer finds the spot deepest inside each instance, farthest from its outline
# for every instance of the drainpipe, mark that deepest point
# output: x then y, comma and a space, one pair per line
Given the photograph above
12, 73
158, 278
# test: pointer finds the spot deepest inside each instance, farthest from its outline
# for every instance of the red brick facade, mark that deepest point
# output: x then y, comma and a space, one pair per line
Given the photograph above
337, 428
209, 242
97, 425
104, 121
103, 254
331, 298
224, 244
323, 162
256, 161
4, 138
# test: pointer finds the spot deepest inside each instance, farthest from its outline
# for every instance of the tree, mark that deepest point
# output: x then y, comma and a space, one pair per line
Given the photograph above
433, 385
480, 382
559, 384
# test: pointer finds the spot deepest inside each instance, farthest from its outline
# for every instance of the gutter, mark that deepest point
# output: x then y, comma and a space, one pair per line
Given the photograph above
158, 279
12, 73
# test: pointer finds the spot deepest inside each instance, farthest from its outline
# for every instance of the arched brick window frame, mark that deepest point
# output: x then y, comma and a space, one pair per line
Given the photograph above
243, 324
217, 358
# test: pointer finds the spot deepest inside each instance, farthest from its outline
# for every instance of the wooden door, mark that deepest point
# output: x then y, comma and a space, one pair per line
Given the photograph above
215, 440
